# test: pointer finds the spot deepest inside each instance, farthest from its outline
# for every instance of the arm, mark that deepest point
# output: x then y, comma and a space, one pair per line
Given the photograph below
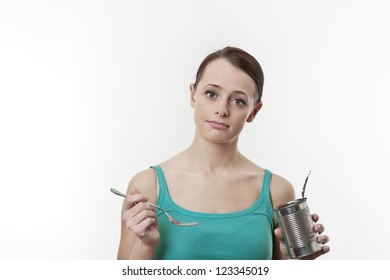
139, 232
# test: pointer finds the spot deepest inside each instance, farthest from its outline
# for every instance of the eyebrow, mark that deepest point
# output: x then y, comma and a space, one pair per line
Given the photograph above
219, 87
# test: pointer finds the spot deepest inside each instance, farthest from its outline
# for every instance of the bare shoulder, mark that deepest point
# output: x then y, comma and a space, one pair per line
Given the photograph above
144, 181
282, 191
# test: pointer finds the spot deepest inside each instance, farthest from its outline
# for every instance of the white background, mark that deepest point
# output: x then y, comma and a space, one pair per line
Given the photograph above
94, 91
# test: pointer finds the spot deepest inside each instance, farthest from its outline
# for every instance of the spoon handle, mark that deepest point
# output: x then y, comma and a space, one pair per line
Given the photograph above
118, 192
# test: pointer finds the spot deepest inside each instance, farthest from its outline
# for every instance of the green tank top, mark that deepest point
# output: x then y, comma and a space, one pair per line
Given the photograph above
242, 235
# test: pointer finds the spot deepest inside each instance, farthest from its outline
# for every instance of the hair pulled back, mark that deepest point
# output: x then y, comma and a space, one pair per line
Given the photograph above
240, 59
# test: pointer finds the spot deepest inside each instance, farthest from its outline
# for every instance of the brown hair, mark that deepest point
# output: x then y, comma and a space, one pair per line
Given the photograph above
240, 59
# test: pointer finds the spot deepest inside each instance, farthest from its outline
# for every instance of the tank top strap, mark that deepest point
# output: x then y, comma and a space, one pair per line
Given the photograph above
267, 180
162, 188
265, 191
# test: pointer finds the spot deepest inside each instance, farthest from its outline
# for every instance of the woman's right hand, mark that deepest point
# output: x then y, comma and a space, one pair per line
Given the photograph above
141, 218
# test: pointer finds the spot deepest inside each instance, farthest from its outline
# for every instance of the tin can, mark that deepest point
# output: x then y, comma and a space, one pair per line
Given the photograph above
297, 225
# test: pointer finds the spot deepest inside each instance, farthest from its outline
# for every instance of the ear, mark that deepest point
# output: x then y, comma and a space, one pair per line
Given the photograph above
192, 96
252, 115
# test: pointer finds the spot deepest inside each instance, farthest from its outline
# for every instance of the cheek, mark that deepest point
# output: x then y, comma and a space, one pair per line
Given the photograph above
242, 115
241, 123
199, 113
201, 107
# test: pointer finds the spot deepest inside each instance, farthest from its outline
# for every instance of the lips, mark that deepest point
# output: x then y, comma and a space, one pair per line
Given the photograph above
218, 125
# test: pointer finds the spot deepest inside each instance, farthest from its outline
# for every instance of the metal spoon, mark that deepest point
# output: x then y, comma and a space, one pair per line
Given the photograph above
170, 218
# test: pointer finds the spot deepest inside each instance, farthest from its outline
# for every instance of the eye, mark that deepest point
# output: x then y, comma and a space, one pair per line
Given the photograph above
239, 101
211, 94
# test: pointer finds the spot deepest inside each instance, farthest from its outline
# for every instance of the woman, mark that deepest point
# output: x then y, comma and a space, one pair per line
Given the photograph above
211, 182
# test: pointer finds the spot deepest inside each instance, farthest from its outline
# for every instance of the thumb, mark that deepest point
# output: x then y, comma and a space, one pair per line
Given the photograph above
134, 191
279, 235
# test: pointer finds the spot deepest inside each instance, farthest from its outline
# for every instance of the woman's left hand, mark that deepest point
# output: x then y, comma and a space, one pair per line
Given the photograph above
323, 239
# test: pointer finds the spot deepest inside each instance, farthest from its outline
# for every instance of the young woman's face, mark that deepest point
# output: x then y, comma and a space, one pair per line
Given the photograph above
225, 98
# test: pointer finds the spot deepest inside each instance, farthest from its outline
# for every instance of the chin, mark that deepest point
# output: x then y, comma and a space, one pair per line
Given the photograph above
220, 140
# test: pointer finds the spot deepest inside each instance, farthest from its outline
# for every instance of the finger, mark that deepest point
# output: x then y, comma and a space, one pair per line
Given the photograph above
323, 239
319, 228
315, 217
324, 250
133, 199
132, 223
142, 229
279, 234
138, 212
134, 191
144, 214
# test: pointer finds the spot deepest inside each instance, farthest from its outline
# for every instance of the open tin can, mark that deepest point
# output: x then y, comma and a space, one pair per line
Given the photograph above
297, 225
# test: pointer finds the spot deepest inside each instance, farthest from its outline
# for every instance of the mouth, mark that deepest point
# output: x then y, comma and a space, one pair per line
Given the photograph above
218, 125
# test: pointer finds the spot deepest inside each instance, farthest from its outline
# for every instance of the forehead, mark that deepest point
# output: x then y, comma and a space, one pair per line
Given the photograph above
221, 72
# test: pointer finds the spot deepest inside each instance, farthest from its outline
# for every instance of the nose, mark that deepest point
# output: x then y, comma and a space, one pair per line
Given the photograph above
221, 110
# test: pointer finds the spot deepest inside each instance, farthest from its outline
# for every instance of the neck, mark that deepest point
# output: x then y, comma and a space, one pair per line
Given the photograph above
212, 156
